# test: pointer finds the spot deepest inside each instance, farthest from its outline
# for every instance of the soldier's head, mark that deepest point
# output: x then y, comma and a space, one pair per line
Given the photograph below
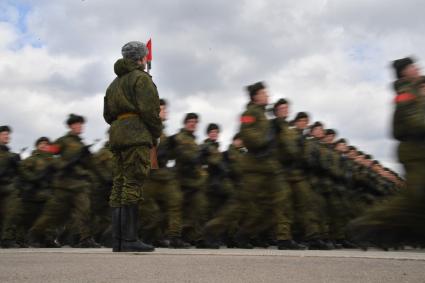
317, 131
163, 113
301, 120
258, 93
368, 160
341, 146
281, 108
376, 167
75, 123
330, 135
359, 157
352, 152
237, 141
213, 131
191, 122
135, 51
42, 144
406, 68
5, 134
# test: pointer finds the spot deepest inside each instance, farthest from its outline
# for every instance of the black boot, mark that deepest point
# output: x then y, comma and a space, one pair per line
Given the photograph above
346, 244
290, 245
87, 243
178, 243
319, 245
9, 244
116, 229
129, 227
207, 244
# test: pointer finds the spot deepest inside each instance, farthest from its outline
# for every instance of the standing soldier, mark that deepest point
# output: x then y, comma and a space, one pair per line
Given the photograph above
71, 190
131, 107
191, 178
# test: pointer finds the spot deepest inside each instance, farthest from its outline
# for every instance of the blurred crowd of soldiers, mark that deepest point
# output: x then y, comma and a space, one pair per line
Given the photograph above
281, 182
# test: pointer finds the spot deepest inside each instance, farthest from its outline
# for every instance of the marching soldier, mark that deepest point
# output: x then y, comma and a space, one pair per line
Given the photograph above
162, 214
9, 164
71, 188
191, 178
34, 185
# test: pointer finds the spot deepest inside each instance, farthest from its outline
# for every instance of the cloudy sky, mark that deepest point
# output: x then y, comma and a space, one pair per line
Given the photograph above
328, 57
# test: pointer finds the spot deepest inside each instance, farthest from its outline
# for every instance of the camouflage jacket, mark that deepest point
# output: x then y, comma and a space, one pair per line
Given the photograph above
290, 146
132, 92
165, 153
103, 164
212, 156
188, 162
259, 138
9, 163
36, 173
232, 159
75, 157
409, 119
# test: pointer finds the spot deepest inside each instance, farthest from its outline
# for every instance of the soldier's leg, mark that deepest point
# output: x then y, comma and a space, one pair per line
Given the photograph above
14, 211
133, 167
173, 200
30, 212
307, 210
194, 213
82, 214
55, 213
252, 222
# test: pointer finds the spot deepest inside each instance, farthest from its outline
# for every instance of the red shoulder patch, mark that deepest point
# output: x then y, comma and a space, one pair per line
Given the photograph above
404, 97
54, 148
247, 119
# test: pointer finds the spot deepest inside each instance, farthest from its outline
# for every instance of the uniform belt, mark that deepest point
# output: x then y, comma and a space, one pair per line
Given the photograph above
127, 115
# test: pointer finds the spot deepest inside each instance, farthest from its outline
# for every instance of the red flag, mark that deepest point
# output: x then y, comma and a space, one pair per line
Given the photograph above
149, 46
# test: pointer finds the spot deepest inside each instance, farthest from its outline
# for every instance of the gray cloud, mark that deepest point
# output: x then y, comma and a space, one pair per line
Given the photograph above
329, 58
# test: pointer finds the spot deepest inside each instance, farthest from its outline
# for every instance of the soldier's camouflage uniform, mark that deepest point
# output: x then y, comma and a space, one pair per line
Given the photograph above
191, 178
132, 109
264, 192
34, 185
71, 191
9, 163
302, 204
161, 209
218, 188
400, 218
103, 175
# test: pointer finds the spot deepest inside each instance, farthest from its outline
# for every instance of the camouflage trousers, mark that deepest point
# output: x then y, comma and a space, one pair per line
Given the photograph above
21, 219
161, 210
70, 201
194, 212
263, 205
131, 167
304, 209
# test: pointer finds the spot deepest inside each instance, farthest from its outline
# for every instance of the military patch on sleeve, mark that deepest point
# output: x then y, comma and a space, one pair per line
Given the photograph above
54, 148
247, 119
404, 97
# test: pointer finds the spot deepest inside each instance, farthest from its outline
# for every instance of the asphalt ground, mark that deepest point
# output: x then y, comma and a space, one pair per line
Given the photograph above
224, 265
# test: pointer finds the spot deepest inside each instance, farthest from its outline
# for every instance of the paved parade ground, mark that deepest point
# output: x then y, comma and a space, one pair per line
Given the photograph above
224, 265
